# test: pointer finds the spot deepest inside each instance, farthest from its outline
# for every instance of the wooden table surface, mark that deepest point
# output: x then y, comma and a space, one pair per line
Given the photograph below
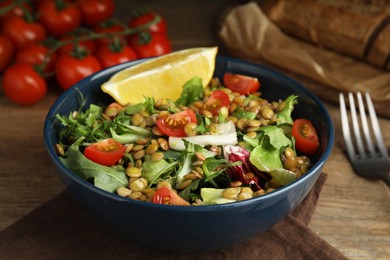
353, 214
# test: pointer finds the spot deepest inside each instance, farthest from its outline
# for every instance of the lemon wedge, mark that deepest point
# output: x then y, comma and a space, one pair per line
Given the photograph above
161, 77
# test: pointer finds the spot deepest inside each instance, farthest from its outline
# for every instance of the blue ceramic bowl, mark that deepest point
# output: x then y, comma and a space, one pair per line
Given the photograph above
177, 228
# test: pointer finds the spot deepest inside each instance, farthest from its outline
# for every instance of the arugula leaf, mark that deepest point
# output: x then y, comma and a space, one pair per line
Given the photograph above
154, 170
284, 115
192, 91
106, 178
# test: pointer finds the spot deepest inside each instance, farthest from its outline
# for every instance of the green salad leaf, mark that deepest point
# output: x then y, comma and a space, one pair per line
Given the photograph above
192, 91
104, 177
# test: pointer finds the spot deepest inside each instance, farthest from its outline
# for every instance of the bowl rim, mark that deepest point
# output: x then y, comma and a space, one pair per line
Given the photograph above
316, 167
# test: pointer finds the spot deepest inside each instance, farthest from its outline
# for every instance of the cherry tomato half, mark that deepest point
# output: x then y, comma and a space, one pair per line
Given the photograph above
7, 52
94, 12
106, 152
23, 33
23, 85
217, 99
173, 125
159, 27
166, 196
147, 44
59, 20
70, 70
240, 83
306, 136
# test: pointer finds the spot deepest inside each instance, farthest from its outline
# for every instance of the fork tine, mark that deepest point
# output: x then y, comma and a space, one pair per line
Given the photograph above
375, 127
345, 127
364, 121
355, 124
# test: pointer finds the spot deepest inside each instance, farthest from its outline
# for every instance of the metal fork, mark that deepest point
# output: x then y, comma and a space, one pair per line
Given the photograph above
370, 159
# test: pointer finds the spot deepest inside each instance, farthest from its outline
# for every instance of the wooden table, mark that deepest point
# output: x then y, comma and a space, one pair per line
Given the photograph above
353, 214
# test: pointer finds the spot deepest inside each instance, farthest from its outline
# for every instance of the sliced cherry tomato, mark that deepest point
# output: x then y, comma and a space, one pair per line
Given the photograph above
306, 136
106, 152
23, 85
23, 33
146, 17
216, 101
147, 44
89, 45
7, 52
166, 196
70, 69
109, 27
59, 17
94, 12
173, 125
242, 84
36, 54
112, 55
113, 109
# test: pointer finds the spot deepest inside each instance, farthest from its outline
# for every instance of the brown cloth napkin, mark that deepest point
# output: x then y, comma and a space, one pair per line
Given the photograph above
60, 229
247, 33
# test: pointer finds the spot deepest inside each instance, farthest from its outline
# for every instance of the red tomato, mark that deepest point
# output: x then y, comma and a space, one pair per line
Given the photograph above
112, 110
242, 84
217, 100
306, 136
159, 27
59, 18
173, 125
106, 152
19, 10
111, 55
70, 70
23, 85
148, 44
23, 33
89, 45
166, 196
94, 12
7, 52
36, 54
109, 28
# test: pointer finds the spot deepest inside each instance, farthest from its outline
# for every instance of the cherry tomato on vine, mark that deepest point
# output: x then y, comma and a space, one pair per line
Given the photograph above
59, 17
111, 55
23, 33
23, 85
36, 54
144, 18
164, 195
89, 45
305, 136
109, 28
106, 152
70, 69
173, 125
18, 10
147, 44
242, 84
7, 52
94, 12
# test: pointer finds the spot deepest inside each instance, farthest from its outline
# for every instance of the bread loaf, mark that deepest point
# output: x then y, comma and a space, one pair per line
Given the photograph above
379, 53
350, 27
